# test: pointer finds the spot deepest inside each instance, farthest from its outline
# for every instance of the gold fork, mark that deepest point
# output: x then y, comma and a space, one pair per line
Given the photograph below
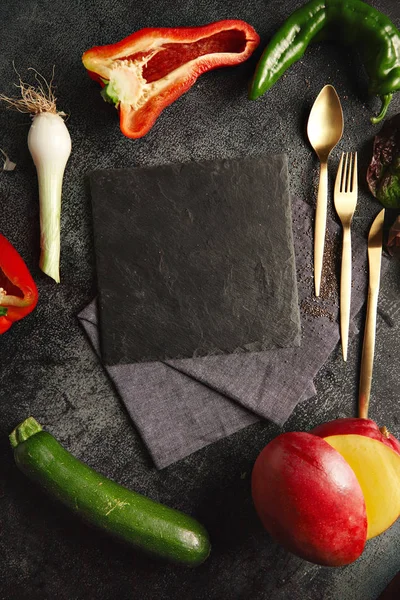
345, 200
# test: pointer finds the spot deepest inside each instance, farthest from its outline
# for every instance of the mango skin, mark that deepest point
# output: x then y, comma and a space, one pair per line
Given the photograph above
309, 500
356, 426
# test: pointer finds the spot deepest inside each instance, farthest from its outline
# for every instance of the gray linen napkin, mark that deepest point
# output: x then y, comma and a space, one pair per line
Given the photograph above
180, 406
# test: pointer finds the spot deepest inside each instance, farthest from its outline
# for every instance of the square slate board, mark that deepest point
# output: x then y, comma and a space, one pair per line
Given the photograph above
195, 259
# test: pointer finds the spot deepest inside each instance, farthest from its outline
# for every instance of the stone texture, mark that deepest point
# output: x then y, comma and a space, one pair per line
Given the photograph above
49, 370
195, 259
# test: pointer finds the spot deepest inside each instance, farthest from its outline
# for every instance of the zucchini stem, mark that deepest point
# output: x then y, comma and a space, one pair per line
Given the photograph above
23, 431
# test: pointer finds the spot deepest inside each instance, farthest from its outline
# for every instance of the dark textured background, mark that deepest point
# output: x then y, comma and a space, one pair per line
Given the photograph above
49, 370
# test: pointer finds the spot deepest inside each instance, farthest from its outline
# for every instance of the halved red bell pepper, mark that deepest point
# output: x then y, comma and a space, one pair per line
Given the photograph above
150, 69
18, 292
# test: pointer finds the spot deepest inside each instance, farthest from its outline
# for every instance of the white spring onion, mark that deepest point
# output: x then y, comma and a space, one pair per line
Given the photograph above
49, 143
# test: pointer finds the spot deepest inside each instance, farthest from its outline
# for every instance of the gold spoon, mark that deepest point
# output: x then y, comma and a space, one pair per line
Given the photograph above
324, 130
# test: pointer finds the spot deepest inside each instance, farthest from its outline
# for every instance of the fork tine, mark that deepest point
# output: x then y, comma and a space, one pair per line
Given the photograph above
354, 182
346, 173
339, 175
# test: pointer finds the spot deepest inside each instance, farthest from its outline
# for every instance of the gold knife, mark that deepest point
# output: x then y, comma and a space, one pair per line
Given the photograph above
367, 359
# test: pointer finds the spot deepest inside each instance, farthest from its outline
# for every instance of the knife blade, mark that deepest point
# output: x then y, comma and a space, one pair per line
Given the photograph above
375, 238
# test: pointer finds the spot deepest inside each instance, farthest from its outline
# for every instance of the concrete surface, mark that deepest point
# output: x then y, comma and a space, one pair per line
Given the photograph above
48, 370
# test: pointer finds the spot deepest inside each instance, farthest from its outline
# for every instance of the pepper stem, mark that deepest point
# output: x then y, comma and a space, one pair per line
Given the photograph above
386, 99
3, 311
23, 431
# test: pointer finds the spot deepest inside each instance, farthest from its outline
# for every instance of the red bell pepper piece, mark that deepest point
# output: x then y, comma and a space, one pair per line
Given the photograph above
18, 292
150, 69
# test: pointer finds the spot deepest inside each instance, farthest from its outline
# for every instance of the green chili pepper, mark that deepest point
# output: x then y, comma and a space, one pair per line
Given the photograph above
350, 22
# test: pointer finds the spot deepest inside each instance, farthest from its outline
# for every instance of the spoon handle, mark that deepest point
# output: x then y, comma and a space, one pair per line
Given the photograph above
320, 225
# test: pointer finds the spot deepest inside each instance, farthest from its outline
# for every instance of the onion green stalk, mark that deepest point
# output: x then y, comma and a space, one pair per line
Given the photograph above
49, 143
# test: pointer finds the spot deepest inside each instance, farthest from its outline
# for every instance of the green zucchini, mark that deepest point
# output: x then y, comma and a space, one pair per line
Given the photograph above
143, 523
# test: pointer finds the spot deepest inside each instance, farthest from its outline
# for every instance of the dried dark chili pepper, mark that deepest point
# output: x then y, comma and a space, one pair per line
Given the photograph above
350, 22
18, 292
151, 68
